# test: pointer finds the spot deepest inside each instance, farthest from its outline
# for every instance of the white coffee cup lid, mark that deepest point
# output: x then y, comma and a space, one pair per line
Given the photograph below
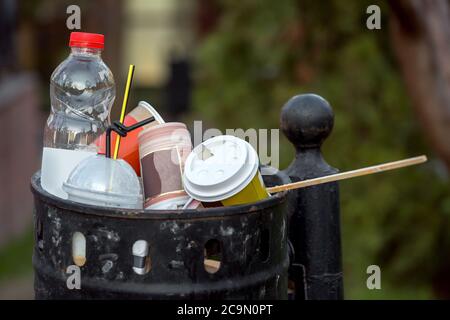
219, 168
152, 111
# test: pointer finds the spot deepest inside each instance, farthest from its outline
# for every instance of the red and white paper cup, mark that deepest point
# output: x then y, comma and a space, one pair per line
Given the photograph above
163, 150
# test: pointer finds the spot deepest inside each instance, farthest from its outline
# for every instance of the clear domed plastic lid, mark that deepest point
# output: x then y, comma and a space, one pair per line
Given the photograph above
102, 181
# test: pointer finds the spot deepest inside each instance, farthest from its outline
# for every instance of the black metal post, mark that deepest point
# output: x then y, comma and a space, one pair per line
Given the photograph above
314, 229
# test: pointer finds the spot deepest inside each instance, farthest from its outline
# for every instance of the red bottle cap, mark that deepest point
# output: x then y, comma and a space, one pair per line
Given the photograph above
87, 40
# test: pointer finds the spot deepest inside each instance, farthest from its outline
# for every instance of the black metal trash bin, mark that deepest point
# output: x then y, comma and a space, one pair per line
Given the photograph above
251, 241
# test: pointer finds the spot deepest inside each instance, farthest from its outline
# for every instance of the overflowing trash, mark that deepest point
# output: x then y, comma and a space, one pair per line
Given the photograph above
142, 161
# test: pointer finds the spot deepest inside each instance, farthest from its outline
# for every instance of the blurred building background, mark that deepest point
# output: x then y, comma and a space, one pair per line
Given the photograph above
233, 64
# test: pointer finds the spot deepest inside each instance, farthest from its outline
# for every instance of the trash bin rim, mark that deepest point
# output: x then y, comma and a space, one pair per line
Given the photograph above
203, 213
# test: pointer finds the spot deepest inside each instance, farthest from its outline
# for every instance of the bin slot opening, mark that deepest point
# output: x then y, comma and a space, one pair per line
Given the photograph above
79, 249
213, 256
39, 234
141, 258
265, 245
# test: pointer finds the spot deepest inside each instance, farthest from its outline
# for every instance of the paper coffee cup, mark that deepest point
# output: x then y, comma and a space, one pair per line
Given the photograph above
225, 169
163, 150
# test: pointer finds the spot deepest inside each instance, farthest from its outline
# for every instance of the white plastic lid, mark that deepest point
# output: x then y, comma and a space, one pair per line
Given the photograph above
102, 181
152, 111
219, 168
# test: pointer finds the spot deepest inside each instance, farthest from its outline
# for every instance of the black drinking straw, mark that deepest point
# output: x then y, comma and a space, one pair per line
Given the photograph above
122, 130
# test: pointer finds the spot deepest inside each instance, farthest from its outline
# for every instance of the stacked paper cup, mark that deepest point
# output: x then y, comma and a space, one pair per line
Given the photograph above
163, 150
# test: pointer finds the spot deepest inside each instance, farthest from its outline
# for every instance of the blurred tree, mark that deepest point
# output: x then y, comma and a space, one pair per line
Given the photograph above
421, 32
262, 52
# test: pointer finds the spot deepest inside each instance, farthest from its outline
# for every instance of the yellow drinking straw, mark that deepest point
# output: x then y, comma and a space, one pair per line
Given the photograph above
124, 106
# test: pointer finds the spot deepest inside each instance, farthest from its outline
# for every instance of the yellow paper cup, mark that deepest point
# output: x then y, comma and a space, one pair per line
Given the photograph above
225, 169
253, 192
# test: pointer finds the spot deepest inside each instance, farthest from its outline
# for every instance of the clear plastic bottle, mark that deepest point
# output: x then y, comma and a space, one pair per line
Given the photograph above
82, 91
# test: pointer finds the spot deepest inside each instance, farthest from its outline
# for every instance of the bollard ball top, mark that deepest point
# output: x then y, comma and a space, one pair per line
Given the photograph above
307, 120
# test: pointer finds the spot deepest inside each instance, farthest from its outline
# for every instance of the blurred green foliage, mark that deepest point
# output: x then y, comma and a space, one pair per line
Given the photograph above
15, 258
262, 52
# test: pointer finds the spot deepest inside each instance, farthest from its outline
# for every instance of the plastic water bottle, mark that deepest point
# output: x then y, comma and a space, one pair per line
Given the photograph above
82, 91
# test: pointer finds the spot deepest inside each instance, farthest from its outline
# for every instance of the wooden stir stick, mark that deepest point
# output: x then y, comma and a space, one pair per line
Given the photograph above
350, 174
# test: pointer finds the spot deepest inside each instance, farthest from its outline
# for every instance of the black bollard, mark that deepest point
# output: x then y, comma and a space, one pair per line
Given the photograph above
314, 230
